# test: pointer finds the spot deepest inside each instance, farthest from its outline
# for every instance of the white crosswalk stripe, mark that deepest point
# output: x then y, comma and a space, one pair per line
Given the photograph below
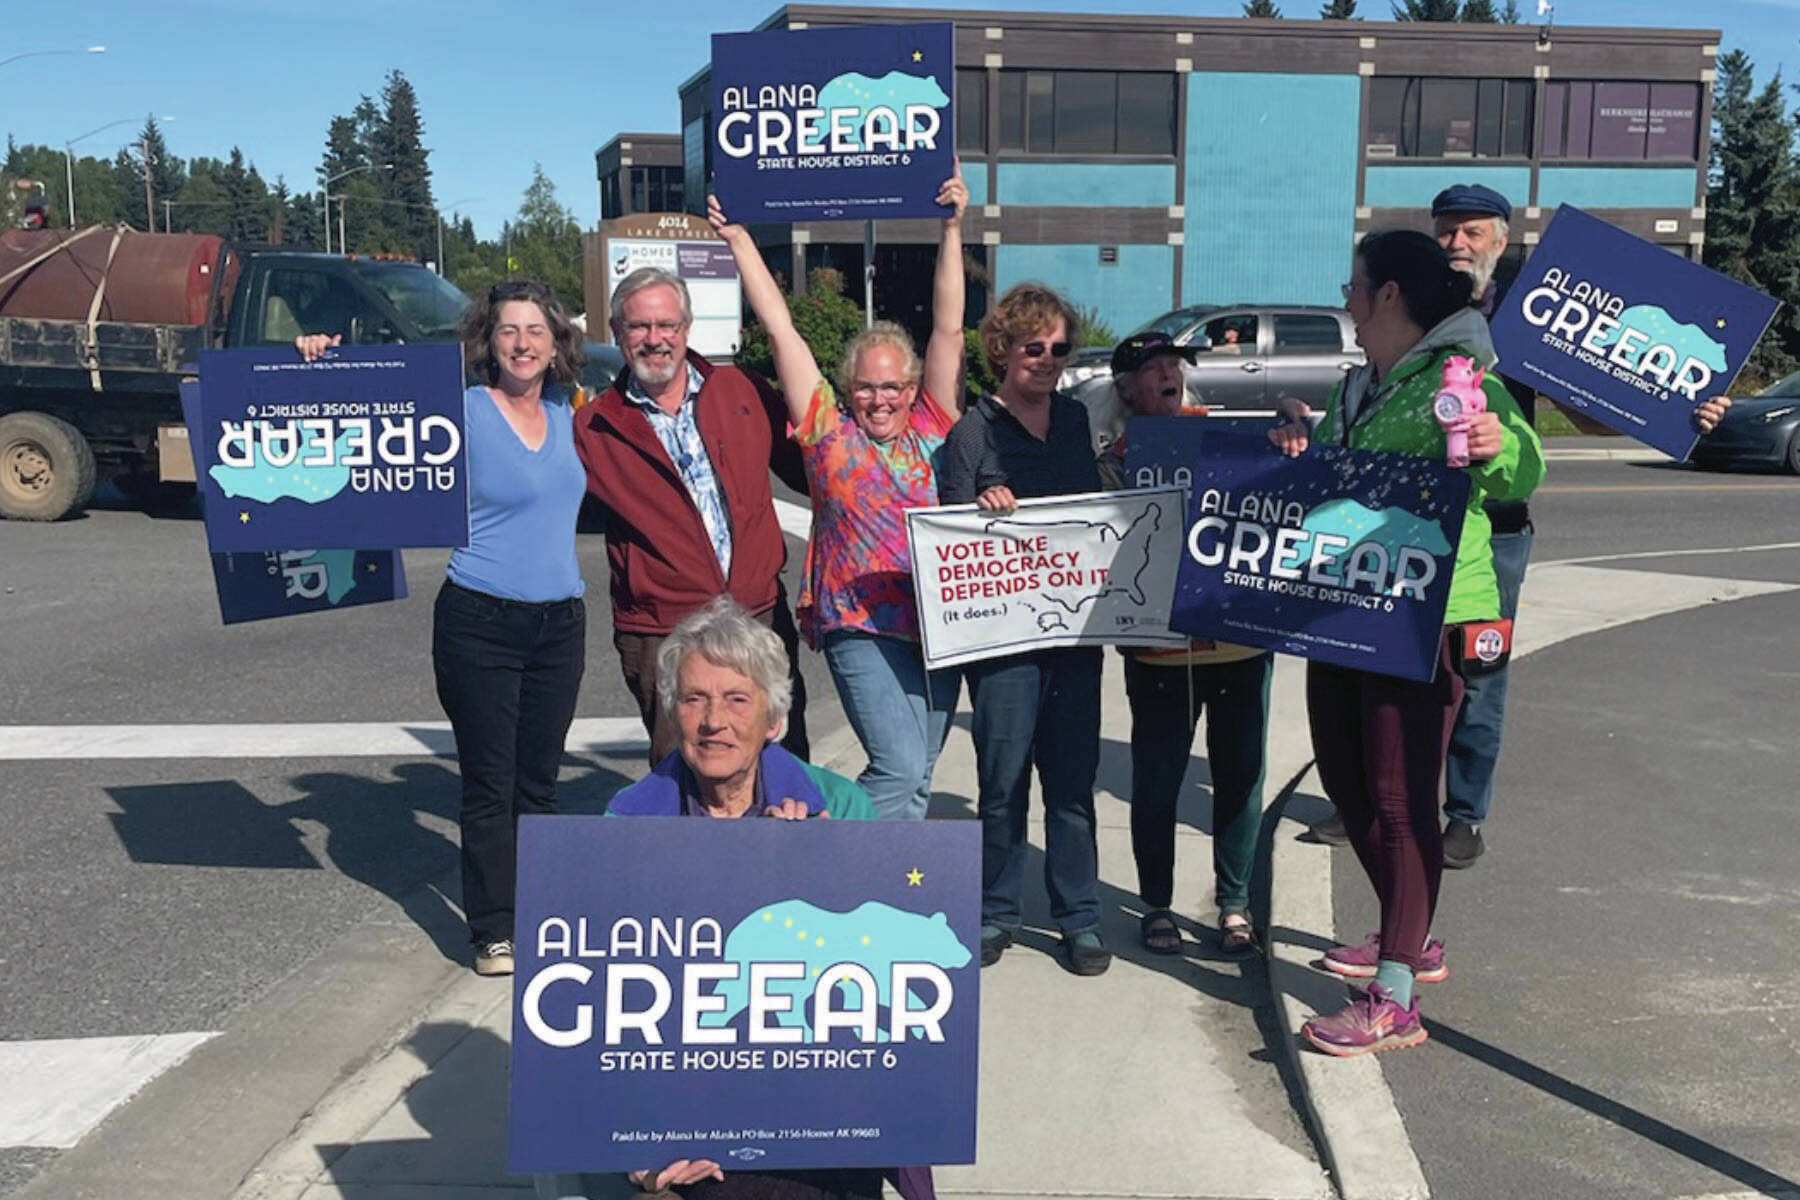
56, 1091
379, 739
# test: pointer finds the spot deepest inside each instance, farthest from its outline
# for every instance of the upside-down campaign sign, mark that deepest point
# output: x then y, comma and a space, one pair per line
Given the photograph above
833, 124
258, 585
760, 993
362, 448
1071, 571
1340, 555
1624, 331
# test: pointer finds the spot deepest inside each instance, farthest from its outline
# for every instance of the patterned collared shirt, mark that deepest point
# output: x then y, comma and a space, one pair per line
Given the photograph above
680, 435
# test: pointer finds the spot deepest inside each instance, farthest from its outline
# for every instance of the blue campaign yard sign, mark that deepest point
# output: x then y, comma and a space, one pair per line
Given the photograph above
255, 586
1624, 331
833, 124
361, 449
1340, 555
258, 585
731, 990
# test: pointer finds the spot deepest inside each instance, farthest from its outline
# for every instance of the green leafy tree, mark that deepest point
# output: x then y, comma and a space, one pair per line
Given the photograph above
1752, 211
1480, 11
545, 240
1093, 330
1261, 8
1509, 15
825, 317
1338, 10
1427, 10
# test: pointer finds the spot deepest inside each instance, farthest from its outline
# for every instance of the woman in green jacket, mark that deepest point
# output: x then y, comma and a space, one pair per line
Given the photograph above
1380, 741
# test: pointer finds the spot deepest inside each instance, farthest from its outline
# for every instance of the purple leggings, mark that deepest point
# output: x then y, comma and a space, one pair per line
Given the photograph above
1381, 744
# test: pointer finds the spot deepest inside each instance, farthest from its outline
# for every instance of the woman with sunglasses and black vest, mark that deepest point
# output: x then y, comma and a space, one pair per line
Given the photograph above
1381, 741
1025, 441
509, 629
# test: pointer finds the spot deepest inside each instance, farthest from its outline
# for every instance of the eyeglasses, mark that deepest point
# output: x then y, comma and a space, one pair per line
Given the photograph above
1350, 289
888, 389
638, 329
1055, 349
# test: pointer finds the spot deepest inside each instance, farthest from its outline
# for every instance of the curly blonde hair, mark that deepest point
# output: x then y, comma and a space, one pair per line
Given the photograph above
1026, 310
881, 333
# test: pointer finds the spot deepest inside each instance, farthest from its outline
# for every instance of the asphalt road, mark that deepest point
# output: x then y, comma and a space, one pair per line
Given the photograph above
1618, 1019
1621, 1015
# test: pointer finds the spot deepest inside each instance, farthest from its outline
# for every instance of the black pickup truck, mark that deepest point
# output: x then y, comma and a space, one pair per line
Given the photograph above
86, 398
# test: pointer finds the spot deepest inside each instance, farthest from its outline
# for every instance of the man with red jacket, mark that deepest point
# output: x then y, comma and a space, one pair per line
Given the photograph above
678, 453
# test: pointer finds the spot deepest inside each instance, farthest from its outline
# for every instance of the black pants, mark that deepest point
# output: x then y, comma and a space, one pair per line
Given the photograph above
507, 675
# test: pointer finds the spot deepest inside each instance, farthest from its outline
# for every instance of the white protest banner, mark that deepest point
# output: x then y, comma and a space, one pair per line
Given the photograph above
1087, 570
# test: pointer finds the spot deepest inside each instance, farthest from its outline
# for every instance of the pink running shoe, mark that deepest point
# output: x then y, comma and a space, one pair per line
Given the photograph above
1359, 962
1372, 1022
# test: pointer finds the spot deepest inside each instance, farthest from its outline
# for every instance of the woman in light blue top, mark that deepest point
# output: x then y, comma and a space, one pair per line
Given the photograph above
508, 640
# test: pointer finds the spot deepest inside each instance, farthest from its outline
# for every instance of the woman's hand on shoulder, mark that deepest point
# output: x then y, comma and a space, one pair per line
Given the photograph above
312, 345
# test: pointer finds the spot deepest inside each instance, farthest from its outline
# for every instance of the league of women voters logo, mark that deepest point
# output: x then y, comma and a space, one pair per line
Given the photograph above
788, 973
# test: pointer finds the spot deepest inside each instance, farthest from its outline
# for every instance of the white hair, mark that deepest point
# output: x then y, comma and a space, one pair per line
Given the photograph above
727, 636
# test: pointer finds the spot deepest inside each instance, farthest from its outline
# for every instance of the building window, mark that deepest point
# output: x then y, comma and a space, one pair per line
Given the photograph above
1621, 120
1430, 117
610, 207
656, 189
971, 109
1087, 112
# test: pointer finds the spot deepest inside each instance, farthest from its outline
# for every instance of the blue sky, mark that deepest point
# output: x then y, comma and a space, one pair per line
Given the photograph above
500, 86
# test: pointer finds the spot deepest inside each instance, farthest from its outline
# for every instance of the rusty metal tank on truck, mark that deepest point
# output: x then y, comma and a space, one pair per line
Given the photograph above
99, 326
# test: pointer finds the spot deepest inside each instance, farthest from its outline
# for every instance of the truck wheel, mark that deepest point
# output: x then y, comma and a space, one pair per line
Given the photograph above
46, 468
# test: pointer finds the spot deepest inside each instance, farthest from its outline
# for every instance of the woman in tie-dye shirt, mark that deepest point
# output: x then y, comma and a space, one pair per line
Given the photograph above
869, 451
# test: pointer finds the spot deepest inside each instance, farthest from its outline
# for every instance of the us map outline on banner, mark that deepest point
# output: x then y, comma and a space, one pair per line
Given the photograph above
970, 567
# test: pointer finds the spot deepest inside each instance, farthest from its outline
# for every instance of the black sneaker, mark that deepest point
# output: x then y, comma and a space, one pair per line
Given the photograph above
494, 958
1088, 955
1330, 831
994, 941
1462, 845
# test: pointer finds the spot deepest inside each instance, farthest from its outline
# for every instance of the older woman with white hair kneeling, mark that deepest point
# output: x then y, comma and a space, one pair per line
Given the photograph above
723, 679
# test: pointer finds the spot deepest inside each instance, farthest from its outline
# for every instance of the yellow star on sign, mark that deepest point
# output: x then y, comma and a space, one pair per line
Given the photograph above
372, 571
918, 56
915, 877
243, 518
1721, 322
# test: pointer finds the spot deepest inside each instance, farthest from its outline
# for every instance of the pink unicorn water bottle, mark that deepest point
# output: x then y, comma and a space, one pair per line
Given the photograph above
1458, 399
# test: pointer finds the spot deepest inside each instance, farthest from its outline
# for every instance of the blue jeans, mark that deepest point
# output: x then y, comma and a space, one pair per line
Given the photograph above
900, 712
1475, 740
1040, 708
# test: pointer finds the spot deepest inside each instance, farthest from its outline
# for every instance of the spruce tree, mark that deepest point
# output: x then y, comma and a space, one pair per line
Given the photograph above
1338, 10
404, 186
545, 241
1752, 218
1427, 10
1261, 8
1509, 15
1480, 11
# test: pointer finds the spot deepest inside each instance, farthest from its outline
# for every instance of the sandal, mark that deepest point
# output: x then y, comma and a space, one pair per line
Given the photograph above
1236, 934
1159, 931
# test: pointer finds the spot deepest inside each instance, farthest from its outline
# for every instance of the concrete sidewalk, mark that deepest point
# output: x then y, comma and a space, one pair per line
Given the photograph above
1166, 1077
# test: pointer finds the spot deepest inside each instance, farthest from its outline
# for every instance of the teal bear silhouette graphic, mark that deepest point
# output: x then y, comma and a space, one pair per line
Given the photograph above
894, 90
265, 483
872, 935
1687, 340
1390, 528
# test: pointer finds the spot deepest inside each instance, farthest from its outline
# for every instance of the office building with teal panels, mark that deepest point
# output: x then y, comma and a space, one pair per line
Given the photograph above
1140, 163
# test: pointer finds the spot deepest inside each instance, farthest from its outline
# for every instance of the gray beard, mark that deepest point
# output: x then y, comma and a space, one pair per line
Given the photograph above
1481, 274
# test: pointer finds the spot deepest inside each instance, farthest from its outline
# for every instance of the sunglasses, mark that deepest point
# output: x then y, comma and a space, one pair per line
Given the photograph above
1054, 349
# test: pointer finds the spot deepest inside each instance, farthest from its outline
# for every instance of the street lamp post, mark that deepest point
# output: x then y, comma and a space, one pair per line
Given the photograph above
69, 160
327, 190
